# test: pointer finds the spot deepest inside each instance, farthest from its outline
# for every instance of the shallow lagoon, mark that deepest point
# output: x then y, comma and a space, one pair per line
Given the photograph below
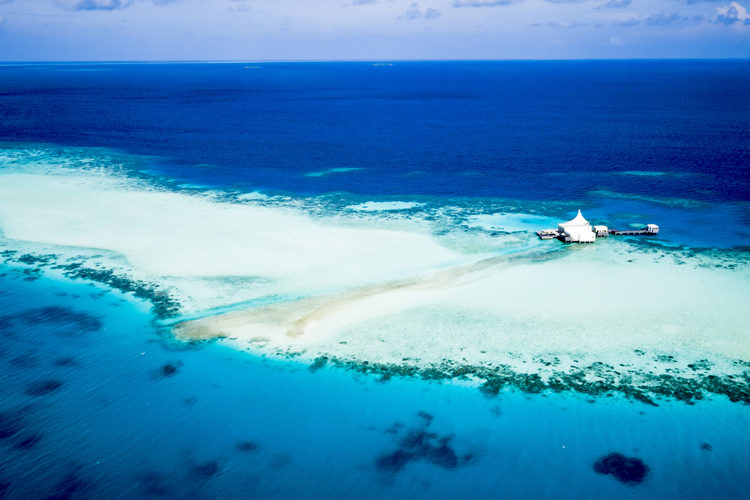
229, 423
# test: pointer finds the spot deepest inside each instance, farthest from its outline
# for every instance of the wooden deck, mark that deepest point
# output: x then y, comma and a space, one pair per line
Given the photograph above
633, 232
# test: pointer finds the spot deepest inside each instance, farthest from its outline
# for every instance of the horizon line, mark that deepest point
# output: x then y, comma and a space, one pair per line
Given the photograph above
277, 61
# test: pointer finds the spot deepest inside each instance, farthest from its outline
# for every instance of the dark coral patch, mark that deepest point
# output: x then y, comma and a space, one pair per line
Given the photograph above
69, 486
425, 416
77, 322
43, 387
395, 428
5, 324
247, 446
394, 462
318, 363
421, 444
442, 455
10, 425
27, 442
205, 470
25, 361
168, 370
628, 470
66, 362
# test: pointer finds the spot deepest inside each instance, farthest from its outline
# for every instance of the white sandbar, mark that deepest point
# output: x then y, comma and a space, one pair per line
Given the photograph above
373, 290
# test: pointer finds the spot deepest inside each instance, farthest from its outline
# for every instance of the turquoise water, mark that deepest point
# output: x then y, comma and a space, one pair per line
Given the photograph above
98, 401
230, 424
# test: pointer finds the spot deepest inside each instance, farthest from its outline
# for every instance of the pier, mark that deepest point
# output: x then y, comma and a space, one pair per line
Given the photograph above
638, 232
579, 230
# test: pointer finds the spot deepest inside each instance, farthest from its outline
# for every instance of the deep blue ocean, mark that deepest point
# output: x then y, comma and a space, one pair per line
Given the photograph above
97, 401
501, 129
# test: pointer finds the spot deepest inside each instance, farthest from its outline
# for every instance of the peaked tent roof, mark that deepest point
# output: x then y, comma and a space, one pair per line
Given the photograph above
577, 221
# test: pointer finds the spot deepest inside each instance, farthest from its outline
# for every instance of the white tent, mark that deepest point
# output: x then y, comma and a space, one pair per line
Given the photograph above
577, 230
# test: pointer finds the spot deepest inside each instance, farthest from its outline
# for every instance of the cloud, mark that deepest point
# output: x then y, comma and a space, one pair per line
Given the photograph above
95, 4
482, 3
363, 2
662, 19
564, 25
630, 21
615, 4
731, 14
616, 41
431, 13
103, 4
414, 12
558, 25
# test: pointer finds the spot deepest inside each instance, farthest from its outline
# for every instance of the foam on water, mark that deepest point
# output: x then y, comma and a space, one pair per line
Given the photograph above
329, 171
377, 206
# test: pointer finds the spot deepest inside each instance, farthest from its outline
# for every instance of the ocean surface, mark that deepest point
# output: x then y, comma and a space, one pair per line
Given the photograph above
99, 401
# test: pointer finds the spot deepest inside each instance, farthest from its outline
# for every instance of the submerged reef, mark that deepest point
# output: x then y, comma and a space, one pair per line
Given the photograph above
247, 446
627, 470
596, 379
67, 322
72, 485
163, 304
27, 442
419, 443
10, 425
43, 387
205, 470
169, 369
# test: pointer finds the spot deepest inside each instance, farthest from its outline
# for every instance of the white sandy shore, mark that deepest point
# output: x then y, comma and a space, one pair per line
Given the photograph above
385, 292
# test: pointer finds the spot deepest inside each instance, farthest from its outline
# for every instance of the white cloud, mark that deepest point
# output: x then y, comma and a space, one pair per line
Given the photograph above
431, 13
616, 41
559, 24
415, 12
482, 3
95, 4
732, 13
662, 19
615, 4
101, 4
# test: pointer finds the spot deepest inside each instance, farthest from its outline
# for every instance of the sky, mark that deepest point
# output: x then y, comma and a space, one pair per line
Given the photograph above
372, 30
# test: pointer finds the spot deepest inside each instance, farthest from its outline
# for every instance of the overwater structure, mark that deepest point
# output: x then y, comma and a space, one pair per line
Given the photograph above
579, 230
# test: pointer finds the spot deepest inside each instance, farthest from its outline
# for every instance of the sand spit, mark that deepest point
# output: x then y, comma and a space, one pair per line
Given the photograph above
309, 320
615, 321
